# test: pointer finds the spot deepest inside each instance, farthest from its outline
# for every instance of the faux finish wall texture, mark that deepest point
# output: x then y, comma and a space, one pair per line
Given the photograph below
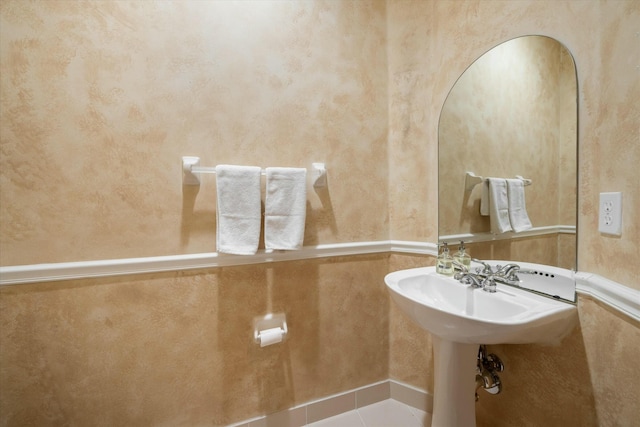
177, 349
100, 99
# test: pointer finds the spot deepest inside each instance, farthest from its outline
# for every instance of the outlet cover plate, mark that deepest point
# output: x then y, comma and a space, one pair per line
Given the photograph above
610, 215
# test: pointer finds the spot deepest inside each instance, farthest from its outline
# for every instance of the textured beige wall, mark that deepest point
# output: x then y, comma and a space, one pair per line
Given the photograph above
177, 349
99, 102
431, 43
410, 348
101, 99
591, 379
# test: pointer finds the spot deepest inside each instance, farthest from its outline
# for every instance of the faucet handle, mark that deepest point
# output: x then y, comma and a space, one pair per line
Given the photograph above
458, 266
486, 268
510, 273
489, 284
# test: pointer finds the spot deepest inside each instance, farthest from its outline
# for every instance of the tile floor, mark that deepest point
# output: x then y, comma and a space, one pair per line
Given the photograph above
387, 413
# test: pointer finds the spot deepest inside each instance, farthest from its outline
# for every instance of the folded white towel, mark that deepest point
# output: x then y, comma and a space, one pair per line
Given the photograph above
517, 207
484, 198
285, 208
239, 211
495, 202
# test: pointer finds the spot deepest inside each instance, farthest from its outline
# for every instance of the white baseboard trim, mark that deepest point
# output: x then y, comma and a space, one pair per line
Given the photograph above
412, 396
620, 297
340, 403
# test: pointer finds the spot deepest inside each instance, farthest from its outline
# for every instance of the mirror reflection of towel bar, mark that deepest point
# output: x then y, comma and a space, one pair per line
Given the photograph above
471, 180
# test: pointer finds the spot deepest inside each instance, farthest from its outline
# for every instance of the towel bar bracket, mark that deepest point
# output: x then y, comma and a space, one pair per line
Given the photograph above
319, 175
188, 175
471, 180
191, 171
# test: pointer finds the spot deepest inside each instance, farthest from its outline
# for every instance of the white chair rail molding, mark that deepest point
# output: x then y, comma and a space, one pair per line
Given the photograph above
615, 295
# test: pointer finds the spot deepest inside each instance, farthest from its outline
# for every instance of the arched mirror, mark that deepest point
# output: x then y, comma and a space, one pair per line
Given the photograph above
512, 113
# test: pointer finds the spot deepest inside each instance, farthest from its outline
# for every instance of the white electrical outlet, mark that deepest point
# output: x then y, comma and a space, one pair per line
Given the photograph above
610, 219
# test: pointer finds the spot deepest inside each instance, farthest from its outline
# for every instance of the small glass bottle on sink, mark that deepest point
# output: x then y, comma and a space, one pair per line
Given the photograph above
462, 256
444, 263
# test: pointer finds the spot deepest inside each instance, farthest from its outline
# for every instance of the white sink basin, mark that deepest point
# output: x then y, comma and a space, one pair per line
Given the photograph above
457, 312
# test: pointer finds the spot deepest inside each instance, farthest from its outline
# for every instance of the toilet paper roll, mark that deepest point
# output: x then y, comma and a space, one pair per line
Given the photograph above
270, 336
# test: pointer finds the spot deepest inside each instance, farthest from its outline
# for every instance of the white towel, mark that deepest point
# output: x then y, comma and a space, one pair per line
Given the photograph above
517, 207
239, 211
285, 208
484, 198
494, 202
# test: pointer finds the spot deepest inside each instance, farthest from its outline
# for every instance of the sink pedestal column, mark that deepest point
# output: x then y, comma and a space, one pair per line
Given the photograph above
454, 383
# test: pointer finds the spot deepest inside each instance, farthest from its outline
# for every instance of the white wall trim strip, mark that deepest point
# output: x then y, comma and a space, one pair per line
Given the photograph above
413, 248
613, 294
488, 237
37, 273
617, 296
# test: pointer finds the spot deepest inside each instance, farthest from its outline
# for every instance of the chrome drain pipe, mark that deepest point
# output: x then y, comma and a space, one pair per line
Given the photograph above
486, 372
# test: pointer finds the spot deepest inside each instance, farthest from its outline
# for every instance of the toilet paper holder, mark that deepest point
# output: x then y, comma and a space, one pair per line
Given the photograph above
267, 323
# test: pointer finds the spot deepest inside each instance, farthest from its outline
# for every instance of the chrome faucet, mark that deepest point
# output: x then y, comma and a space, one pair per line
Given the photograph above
489, 283
468, 278
485, 277
508, 274
477, 280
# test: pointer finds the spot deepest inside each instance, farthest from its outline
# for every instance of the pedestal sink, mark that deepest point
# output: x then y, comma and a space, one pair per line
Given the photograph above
460, 318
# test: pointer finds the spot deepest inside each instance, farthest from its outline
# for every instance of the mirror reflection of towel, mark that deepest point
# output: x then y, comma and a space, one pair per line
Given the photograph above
495, 203
517, 207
